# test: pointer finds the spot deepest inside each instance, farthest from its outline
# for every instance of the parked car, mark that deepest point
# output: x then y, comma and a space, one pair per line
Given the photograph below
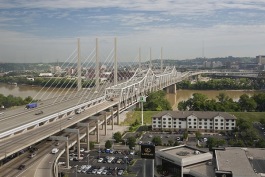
100, 160
120, 172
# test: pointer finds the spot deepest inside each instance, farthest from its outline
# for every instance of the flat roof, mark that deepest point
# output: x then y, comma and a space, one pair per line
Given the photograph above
235, 160
183, 155
183, 152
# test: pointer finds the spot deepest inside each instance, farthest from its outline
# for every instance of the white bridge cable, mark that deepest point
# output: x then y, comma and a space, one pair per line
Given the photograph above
87, 64
51, 78
90, 63
62, 83
100, 87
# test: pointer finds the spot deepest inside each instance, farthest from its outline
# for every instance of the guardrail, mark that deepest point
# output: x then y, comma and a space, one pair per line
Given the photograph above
23, 127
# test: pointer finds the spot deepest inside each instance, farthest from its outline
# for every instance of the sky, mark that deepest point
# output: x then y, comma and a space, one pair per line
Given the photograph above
47, 30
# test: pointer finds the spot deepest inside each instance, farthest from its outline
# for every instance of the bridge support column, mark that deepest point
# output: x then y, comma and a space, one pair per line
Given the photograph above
87, 138
78, 139
118, 114
171, 89
67, 154
105, 124
87, 133
112, 118
97, 132
78, 145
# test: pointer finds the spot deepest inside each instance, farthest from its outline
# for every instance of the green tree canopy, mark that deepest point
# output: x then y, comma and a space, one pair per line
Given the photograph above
157, 140
108, 144
117, 136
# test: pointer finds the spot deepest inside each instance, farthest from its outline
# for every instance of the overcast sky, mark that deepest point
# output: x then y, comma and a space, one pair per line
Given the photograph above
47, 30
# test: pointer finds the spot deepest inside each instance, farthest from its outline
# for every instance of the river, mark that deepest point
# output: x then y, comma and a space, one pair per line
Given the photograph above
39, 93
35, 92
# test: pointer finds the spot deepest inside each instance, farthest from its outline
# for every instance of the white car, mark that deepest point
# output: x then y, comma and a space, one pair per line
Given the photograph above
55, 150
99, 171
104, 172
82, 149
94, 171
100, 160
120, 172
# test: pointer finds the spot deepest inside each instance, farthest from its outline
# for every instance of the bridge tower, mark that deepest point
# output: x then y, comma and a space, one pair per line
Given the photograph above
79, 86
161, 58
115, 63
150, 62
97, 66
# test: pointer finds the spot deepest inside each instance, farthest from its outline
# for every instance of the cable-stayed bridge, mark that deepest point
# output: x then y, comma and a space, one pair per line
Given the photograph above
88, 104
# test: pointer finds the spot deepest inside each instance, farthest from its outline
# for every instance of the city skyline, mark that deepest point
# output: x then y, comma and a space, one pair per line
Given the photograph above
47, 31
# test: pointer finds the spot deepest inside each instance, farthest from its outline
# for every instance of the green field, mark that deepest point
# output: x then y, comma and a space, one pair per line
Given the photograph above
249, 116
133, 115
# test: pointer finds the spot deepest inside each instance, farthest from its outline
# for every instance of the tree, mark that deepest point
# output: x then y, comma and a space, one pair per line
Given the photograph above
108, 144
157, 140
170, 142
198, 135
185, 135
246, 103
131, 142
156, 101
117, 136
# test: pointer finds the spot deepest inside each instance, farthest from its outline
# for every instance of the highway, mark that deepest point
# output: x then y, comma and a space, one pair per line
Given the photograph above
16, 117
44, 158
18, 142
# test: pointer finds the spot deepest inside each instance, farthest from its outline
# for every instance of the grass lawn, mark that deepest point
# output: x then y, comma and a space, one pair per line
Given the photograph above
133, 115
250, 116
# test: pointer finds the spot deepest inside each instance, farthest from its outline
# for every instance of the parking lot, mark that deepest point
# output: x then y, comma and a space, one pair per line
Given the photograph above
101, 162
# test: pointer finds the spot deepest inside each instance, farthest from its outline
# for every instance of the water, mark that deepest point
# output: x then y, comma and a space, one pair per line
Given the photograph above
24, 91
183, 95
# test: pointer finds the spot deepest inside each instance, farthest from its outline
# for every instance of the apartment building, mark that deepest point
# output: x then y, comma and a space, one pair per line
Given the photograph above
193, 121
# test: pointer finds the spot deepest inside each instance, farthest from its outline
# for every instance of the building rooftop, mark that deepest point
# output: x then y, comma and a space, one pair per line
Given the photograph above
184, 155
198, 114
238, 160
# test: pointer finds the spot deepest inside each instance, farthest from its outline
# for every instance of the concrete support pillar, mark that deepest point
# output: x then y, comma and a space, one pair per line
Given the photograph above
118, 114
67, 154
78, 145
97, 132
87, 138
112, 118
105, 124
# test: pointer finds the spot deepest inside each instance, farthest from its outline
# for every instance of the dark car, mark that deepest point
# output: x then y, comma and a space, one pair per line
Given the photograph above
21, 167
39, 112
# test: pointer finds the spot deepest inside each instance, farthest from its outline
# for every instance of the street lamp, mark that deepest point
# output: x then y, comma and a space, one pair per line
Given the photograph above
87, 159
125, 141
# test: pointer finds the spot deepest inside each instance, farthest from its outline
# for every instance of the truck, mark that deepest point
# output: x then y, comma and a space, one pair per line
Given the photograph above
31, 105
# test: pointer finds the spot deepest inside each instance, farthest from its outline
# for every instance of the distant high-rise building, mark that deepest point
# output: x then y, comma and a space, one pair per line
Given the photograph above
260, 59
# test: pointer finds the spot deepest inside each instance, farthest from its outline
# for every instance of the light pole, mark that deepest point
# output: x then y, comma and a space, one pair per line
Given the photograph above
75, 171
87, 159
125, 141
142, 99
